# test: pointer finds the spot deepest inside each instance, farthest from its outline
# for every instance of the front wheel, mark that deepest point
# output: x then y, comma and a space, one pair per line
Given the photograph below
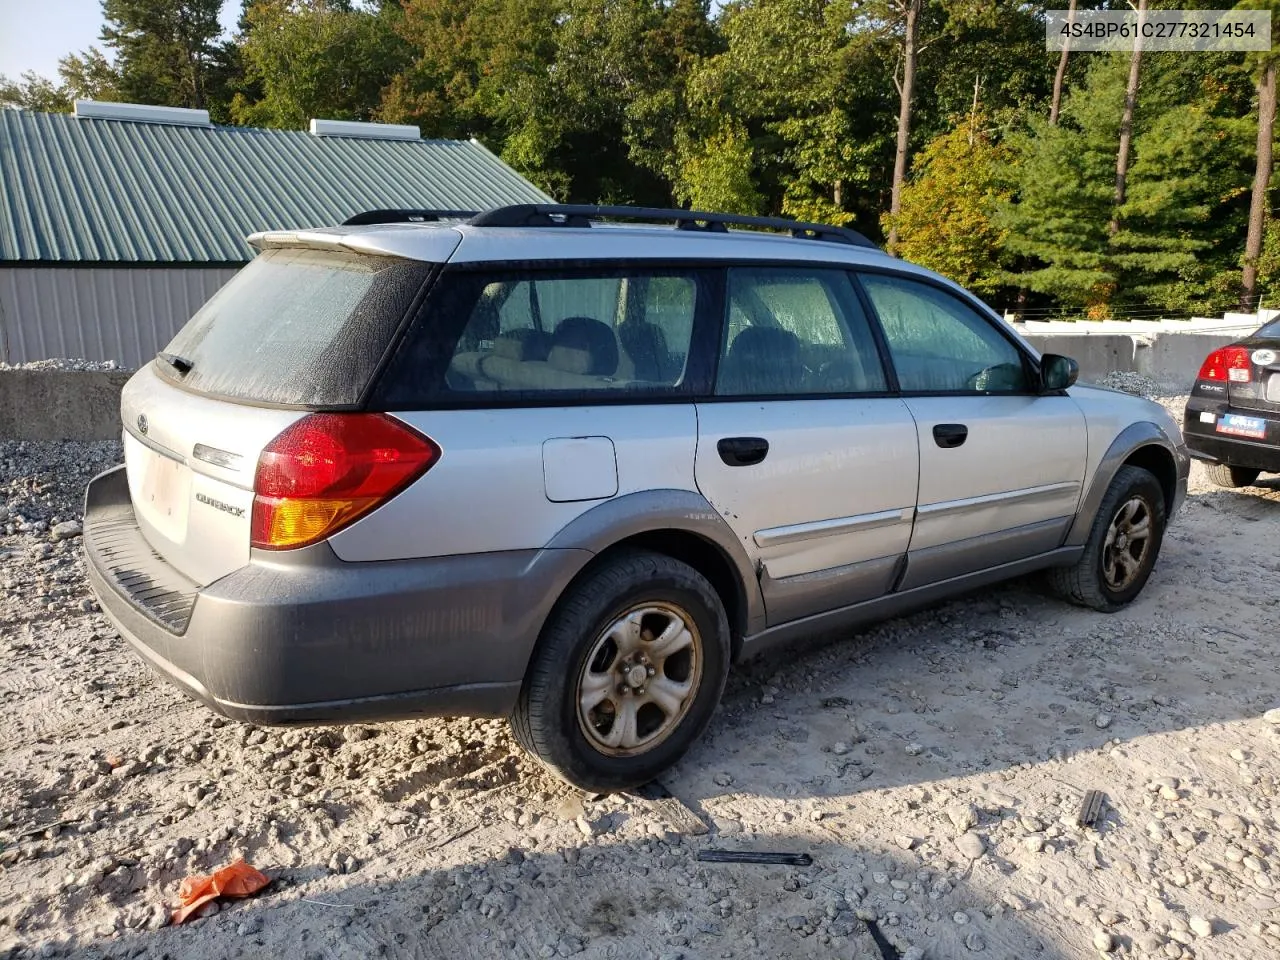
1122, 547
1224, 475
627, 673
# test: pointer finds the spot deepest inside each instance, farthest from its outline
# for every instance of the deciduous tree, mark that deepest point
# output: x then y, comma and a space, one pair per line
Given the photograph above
316, 58
948, 219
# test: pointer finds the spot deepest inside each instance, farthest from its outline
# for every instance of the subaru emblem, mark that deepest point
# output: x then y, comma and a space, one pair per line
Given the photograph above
142, 424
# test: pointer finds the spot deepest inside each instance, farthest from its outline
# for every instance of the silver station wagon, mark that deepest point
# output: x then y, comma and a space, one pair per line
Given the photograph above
552, 464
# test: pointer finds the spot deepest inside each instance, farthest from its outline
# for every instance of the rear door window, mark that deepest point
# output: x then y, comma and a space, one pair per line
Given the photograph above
297, 327
547, 334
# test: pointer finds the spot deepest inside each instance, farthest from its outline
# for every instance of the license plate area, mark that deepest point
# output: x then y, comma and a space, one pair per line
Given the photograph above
160, 488
1273, 386
1235, 425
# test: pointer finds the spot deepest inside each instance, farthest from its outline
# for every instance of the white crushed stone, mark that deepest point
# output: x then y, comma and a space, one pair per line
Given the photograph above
383, 838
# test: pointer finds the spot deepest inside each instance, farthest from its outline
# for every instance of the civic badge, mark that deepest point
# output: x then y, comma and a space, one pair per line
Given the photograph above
142, 424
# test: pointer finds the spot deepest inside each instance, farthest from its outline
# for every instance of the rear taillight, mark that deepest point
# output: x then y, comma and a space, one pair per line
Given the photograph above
1228, 364
327, 470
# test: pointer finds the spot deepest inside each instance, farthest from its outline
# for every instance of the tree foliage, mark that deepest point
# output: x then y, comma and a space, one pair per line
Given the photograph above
85, 76
771, 106
948, 220
169, 52
315, 58
715, 172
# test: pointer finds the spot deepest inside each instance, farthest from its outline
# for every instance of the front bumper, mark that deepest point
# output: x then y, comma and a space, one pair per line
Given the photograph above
303, 637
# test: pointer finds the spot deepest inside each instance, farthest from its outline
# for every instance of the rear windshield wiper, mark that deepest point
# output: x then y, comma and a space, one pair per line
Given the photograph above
181, 364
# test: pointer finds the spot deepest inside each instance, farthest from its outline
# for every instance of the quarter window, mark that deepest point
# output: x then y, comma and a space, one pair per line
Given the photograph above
538, 334
796, 333
941, 345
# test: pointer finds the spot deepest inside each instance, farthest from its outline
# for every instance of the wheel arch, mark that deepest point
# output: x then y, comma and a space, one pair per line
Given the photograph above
1143, 444
1158, 461
677, 523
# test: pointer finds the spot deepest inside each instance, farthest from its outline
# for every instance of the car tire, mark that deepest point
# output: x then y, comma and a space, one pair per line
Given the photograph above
605, 639
1225, 475
1115, 566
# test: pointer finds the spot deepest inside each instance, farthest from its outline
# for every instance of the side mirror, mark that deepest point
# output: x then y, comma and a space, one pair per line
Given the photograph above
1057, 372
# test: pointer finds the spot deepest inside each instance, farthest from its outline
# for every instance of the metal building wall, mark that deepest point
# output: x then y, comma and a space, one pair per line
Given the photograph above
123, 313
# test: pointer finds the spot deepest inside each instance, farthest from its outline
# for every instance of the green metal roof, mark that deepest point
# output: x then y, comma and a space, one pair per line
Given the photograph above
86, 190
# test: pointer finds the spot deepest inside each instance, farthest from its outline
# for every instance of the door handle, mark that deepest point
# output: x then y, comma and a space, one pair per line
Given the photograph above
742, 451
948, 435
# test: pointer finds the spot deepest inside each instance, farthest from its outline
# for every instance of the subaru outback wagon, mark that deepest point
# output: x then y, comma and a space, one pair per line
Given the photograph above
535, 465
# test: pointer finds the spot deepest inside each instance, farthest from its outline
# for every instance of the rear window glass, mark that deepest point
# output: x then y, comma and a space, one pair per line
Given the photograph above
297, 327
541, 334
1272, 329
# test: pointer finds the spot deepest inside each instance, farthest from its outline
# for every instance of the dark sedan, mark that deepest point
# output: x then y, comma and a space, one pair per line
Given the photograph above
1232, 420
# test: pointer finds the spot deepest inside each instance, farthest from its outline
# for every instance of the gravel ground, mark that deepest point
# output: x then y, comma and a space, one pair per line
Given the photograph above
63, 364
932, 766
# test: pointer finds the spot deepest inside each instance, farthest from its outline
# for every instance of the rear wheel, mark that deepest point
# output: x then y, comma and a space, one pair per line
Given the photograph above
1224, 475
1122, 547
627, 673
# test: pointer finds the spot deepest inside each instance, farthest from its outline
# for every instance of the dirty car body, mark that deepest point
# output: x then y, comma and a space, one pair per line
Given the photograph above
383, 470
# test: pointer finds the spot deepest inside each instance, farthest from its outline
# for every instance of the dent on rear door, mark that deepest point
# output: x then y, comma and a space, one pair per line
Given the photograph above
827, 514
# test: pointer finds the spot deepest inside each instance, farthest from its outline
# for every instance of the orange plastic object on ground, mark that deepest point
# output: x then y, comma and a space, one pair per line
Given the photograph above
237, 880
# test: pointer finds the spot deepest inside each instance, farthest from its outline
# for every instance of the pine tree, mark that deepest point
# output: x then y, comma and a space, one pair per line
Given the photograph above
1064, 192
168, 52
1180, 228
1264, 67
1183, 218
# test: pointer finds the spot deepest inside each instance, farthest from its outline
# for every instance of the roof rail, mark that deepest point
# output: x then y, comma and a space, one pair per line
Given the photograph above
407, 216
575, 215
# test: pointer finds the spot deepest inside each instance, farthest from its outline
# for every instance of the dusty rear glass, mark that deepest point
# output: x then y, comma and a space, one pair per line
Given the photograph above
296, 327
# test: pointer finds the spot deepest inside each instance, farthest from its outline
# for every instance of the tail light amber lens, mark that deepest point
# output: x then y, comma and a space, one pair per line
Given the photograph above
329, 469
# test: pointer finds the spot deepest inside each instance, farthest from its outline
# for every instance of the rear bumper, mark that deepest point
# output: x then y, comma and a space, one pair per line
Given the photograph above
1205, 443
302, 637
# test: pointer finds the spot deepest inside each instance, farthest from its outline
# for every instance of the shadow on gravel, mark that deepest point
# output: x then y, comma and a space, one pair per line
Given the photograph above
598, 902
1010, 676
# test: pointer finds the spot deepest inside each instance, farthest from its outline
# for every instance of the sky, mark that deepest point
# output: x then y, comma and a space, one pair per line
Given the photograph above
34, 34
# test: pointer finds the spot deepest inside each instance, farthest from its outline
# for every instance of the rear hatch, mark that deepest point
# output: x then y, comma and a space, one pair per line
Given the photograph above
1255, 385
297, 330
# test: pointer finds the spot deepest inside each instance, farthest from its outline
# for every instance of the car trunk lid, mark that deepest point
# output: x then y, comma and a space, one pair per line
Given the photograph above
1261, 390
298, 330
190, 461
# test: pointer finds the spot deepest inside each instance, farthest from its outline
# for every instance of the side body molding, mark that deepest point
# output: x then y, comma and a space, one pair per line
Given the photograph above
1132, 438
651, 511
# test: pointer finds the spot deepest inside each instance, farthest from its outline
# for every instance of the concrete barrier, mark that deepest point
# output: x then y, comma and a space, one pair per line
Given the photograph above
1097, 354
1170, 358
60, 404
